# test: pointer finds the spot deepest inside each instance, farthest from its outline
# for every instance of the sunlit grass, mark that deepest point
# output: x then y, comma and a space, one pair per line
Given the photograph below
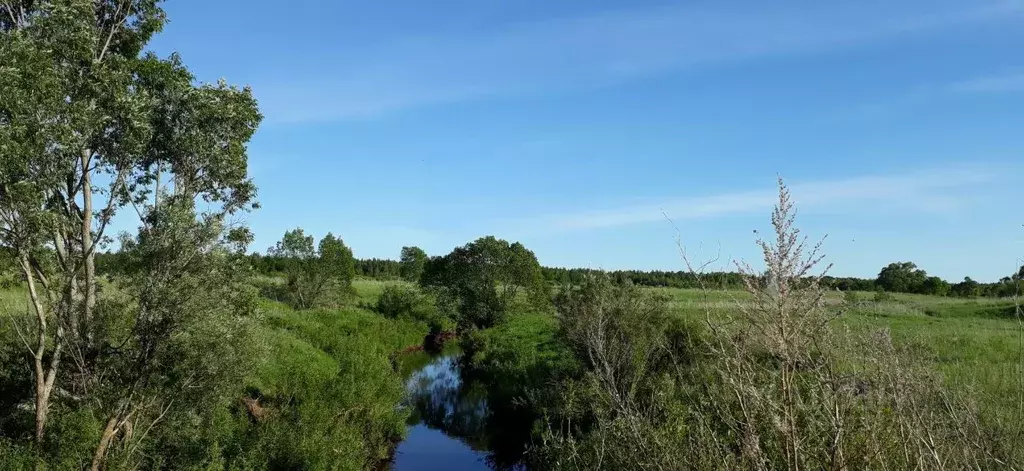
977, 344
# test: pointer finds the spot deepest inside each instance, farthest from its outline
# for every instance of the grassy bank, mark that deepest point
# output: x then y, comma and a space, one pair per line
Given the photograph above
322, 394
328, 388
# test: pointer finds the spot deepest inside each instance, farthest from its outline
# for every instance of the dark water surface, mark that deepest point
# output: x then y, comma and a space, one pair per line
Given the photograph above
452, 426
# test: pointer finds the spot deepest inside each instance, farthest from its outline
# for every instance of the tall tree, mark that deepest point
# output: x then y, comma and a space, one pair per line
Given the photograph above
176, 340
89, 124
901, 277
413, 261
486, 276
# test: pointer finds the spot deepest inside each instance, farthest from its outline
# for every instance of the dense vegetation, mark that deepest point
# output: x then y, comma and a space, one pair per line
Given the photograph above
176, 348
779, 376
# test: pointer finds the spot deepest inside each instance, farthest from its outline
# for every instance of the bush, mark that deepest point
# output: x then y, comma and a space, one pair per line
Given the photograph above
406, 302
851, 298
882, 296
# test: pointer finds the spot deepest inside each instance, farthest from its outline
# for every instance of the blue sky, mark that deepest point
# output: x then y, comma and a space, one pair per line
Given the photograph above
576, 126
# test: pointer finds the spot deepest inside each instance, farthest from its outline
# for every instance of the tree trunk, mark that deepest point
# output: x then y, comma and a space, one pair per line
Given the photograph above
87, 245
42, 401
105, 439
44, 379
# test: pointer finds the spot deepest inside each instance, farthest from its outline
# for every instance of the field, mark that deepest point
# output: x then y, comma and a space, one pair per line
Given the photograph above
978, 344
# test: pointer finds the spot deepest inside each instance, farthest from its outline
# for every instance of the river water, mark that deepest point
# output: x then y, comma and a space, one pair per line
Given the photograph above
452, 426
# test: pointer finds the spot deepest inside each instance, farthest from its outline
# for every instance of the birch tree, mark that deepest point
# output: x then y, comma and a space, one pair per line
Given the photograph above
90, 125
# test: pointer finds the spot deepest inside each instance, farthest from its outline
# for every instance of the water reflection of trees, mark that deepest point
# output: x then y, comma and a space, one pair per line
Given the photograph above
465, 410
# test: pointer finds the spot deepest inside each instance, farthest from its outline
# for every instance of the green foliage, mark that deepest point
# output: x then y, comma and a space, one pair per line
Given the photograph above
518, 361
850, 298
966, 289
901, 277
406, 302
883, 297
312, 273
379, 269
936, 286
653, 278
486, 277
179, 333
16, 457
521, 353
905, 277
89, 124
326, 391
632, 322
9, 272
413, 261
615, 408
770, 385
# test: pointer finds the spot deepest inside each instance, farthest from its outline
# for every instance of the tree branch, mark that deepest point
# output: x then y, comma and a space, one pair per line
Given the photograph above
106, 216
113, 28
10, 12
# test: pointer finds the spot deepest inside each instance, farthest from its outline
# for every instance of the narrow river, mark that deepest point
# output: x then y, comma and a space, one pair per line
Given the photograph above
447, 427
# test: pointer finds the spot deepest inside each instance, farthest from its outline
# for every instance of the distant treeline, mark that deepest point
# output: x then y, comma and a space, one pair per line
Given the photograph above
684, 279
385, 269
902, 277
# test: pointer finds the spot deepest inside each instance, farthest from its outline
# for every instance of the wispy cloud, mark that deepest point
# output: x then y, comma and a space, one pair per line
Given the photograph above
1011, 82
927, 191
601, 49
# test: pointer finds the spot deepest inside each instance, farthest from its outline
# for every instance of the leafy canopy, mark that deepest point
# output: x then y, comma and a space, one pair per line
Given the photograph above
486, 277
901, 277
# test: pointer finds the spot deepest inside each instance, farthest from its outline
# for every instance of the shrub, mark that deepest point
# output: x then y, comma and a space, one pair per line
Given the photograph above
406, 302
851, 298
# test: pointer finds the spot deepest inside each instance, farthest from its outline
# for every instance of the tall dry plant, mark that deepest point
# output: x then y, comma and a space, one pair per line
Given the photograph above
776, 343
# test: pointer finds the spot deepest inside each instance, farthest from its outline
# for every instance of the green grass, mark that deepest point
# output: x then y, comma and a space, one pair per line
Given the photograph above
977, 344
328, 378
368, 290
520, 344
